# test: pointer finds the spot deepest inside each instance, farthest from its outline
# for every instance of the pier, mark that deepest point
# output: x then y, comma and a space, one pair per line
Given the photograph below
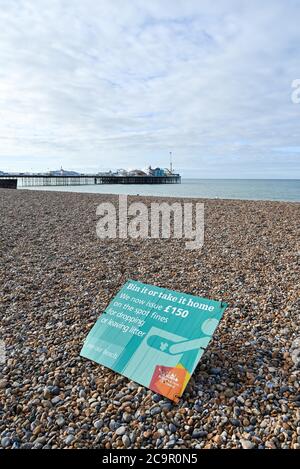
6, 183
36, 180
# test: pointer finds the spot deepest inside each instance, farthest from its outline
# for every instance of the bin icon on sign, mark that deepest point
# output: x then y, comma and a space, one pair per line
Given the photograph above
166, 360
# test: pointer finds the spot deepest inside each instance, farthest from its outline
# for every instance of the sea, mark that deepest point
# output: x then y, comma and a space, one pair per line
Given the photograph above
243, 189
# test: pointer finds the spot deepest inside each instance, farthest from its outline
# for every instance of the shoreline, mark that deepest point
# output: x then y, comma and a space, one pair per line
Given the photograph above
110, 194
57, 277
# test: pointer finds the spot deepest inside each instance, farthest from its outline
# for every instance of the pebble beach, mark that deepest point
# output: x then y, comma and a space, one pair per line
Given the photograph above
57, 277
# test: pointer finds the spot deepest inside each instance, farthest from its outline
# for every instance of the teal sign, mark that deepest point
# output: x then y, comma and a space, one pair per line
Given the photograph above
153, 336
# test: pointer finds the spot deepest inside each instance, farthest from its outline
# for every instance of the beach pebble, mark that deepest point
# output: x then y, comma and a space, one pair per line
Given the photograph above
3, 383
246, 444
199, 434
172, 428
126, 441
98, 424
5, 442
55, 400
155, 411
120, 431
69, 440
126, 417
60, 421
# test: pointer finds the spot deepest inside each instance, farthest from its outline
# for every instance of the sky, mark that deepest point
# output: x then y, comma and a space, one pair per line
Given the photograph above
96, 85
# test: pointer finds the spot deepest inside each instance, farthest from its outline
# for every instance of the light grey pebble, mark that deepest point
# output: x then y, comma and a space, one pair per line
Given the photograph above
126, 440
112, 425
38, 446
60, 421
171, 443
126, 417
246, 444
26, 445
199, 434
69, 440
120, 431
132, 385
98, 424
55, 400
5, 442
161, 431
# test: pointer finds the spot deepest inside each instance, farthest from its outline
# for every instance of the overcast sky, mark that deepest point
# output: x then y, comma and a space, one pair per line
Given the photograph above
93, 85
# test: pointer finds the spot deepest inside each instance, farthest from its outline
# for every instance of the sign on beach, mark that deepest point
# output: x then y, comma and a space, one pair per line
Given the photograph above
153, 336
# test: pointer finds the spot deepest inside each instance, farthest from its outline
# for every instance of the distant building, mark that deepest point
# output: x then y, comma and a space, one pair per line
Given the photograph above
105, 173
120, 172
136, 172
62, 172
157, 172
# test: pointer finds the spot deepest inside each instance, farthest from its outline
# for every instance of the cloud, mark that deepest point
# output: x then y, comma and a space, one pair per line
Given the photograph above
96, 85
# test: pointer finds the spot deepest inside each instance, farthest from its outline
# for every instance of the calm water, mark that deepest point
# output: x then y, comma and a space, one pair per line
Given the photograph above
251, 189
